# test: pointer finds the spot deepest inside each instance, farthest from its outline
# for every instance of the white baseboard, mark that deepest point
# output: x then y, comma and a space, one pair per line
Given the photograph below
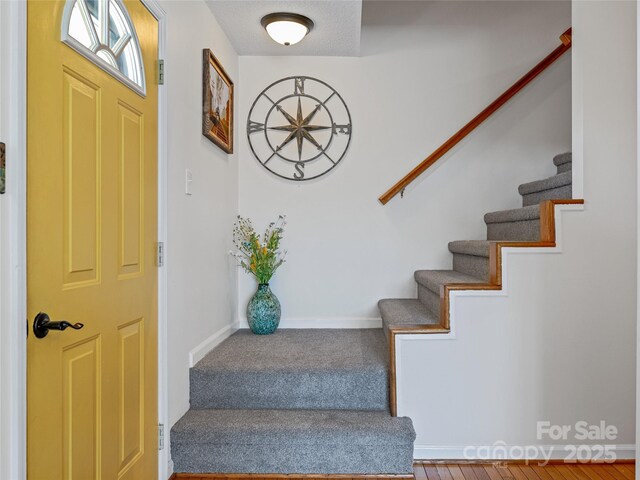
327, 322
522, 452
198, 353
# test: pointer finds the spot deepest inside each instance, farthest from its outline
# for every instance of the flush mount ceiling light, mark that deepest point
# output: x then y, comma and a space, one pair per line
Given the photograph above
286, 28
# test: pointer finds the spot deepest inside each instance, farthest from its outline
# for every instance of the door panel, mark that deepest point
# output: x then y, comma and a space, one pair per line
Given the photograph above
91, 234
81, 409
81, 179
131, 173
131, 408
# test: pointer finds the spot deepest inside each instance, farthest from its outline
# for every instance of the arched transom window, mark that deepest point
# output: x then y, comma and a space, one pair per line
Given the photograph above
102, 31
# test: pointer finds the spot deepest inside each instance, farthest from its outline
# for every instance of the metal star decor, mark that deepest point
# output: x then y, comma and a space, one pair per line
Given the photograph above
299, 128
322, 136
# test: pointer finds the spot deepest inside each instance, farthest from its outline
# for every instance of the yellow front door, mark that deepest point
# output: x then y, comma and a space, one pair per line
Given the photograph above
91, 236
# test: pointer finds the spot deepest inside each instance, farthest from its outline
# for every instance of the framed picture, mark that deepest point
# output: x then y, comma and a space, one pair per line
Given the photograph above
217, 102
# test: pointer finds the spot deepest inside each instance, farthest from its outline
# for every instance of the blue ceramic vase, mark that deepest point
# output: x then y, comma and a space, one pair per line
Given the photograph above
263, 311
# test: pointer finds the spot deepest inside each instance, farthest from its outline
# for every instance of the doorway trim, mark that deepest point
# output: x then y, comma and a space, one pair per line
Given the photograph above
13, 246
13, 373
164, 456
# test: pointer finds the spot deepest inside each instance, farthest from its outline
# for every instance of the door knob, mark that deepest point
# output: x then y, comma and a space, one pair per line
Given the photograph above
42, 324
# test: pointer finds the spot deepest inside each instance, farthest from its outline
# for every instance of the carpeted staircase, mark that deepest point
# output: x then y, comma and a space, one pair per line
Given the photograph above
471, 257
298, 401
316, 401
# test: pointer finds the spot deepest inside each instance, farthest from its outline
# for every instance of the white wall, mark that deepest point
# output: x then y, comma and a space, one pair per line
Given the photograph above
426, 69
561, 346
202, 283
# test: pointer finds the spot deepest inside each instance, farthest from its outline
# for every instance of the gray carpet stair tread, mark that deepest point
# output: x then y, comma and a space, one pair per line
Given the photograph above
531, 212
562, 158
401, 312
293, 427
555, 181
433, 279
477, 248
298, 349
292, 441
294, 369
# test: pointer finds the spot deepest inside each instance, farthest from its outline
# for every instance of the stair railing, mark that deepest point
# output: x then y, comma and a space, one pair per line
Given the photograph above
399, 187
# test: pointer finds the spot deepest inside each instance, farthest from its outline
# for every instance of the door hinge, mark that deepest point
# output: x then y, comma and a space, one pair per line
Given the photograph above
160, 254
160, 436
2, 168
160, 72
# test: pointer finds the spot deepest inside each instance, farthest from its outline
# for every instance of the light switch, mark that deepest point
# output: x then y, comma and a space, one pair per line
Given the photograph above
188, 182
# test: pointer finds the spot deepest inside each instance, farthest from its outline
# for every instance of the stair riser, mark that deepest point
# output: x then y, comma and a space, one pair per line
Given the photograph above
565, 167
471, 265
357, 390
552, 194
525, 231
303, 459
430, 299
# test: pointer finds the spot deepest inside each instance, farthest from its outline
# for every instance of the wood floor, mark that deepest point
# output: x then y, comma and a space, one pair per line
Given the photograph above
592, 471
459, 471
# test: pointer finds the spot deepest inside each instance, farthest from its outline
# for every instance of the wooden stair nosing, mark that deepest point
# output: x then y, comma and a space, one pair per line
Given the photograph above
547, 240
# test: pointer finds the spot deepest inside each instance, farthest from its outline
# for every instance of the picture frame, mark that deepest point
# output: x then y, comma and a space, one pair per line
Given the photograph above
217, 102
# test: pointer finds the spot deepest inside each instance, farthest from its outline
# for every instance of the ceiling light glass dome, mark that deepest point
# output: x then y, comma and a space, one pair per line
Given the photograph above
287, 28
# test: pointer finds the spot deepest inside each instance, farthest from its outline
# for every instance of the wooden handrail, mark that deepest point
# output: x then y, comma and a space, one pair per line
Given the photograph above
481, 117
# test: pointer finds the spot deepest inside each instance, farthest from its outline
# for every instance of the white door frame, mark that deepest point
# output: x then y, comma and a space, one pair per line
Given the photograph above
164, 456
13, 245
13, 86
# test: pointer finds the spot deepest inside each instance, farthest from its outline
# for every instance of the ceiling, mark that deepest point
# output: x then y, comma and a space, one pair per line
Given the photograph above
336, 31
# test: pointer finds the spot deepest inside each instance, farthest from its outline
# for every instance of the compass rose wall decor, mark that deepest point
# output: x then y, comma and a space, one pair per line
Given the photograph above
299, 128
